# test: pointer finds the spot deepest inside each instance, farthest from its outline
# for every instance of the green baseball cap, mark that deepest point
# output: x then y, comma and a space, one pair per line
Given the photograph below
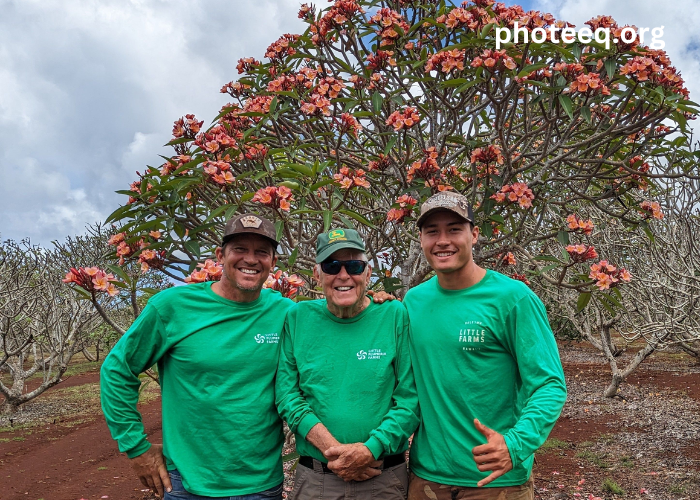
337, 239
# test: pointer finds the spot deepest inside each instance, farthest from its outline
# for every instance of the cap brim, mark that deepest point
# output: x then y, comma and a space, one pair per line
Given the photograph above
327, 252
231, 236
421, 220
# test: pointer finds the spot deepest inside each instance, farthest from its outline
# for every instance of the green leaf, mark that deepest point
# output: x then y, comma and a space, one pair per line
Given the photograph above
302, 169
610, 66
583, 300
586, 113
563, 237
192, 246
532, 67
119, 272
358, 218
566, 103
377, 101
327, 219
390, 144
293, 256
279, 227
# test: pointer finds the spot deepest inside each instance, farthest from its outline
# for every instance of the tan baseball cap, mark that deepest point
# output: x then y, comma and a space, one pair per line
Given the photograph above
446, 200
250, 224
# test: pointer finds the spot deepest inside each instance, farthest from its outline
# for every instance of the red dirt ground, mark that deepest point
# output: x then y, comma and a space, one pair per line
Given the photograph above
74, 459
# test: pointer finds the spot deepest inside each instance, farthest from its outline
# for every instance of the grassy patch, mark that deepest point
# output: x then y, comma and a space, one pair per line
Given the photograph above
594, 458
626, 461
553, 444
612, 487
102, 468
18, 439
677, 488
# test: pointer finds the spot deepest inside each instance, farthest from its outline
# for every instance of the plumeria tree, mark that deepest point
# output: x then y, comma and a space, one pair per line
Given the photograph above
380, 104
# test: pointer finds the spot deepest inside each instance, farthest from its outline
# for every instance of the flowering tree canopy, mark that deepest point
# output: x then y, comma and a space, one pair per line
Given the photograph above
380, 104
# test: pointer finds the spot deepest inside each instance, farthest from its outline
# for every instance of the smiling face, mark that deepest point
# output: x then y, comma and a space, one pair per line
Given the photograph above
247, 260
447, 240
345, 293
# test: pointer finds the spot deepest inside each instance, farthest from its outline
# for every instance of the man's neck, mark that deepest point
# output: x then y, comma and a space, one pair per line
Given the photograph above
349, 312
228, 291
462, 278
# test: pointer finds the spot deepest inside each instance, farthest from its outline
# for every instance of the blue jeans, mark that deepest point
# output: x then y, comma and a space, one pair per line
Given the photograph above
179, 493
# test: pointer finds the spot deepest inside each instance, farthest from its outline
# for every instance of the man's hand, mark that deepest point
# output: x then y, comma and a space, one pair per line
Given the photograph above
492, 456
150, 467
352, 462
380, 297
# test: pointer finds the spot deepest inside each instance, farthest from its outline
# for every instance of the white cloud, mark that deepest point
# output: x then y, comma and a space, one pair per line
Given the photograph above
89, 91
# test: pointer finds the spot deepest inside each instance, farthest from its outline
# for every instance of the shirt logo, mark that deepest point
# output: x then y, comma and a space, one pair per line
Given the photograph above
336, 235
268, 338
371, 354
472, 336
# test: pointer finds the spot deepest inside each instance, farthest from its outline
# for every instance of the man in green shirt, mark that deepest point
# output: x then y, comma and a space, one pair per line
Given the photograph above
217, 346
344, 383
487, 369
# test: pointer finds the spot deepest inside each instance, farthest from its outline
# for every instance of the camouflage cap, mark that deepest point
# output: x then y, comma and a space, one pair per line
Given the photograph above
446, 200
250, 224
337, 239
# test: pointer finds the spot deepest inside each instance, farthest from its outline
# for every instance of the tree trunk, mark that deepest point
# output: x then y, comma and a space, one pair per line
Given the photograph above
89, 356
614, 386
8, 408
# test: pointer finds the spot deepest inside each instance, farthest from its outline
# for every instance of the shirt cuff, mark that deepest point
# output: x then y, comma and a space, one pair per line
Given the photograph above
375, 447
139, 449
512, 449
307, 424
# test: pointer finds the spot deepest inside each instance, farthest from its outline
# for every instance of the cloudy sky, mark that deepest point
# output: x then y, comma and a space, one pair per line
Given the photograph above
89, 89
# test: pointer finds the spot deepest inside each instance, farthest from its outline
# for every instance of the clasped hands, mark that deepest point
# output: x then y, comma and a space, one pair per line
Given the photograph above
352, 462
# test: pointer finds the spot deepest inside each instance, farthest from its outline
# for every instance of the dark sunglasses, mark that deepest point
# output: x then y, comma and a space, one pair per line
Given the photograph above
352, 267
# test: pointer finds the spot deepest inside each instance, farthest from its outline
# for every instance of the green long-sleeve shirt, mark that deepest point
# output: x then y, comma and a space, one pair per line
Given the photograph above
352, 375
217, 361
483, 352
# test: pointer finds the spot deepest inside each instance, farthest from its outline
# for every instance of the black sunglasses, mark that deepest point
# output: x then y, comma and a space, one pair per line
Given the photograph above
352, 267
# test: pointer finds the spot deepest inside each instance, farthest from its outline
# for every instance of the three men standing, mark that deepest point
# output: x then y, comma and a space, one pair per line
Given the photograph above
483, 355
345, 377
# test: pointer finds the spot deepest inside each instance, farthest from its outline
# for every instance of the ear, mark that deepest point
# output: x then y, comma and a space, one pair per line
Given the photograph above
317, 275
274, 262
369, 274
475, 234
220, 254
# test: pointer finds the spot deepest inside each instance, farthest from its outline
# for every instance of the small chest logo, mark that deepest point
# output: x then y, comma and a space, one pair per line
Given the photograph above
472, 336
370, 354
267, 338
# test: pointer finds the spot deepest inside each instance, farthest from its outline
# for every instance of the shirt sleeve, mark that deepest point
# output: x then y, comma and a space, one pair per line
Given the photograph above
402, 419
291, 403
139, 349
543, 386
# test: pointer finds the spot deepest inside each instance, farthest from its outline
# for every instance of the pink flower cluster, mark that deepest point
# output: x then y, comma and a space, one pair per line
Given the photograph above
446, 61
348, 178
508, 259
282, 47
219, 172
581, 253
387, 21
348, 124
187, 127
405, 118
607, 275
209, 271
406, 204
576, 224
277, 197
287, 285
380, 60
92, 279
518, 191
652, 209
494, 60
177, 162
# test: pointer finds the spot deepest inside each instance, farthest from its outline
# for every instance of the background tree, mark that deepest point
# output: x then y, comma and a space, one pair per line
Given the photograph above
380, 104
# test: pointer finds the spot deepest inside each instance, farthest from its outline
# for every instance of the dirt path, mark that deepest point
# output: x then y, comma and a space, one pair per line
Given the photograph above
72, 458
647, 444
